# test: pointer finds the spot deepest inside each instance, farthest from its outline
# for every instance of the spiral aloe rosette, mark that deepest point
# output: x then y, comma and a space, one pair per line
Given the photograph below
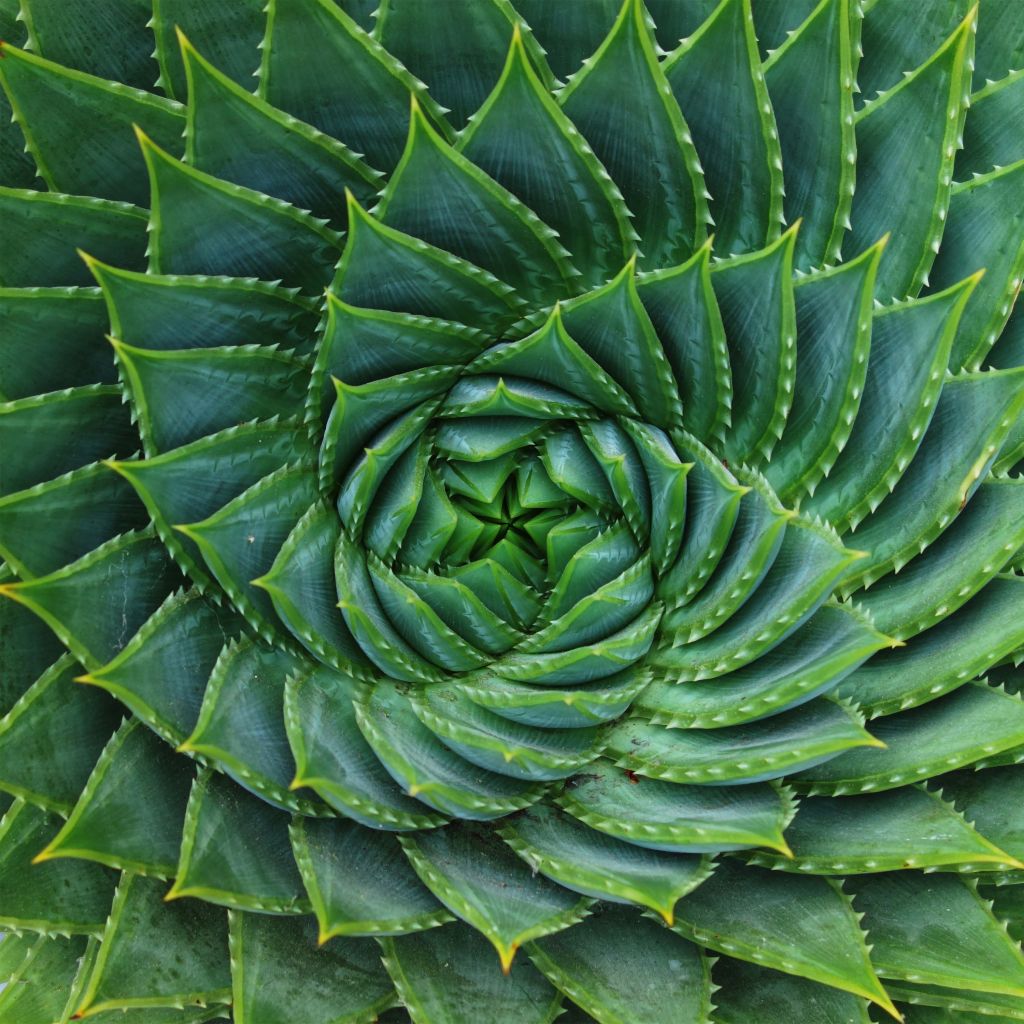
506, 599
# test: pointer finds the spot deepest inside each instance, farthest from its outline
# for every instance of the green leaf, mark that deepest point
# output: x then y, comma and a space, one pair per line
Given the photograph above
958, 730
802, 926
52, 737
906, 141
133, 573
155, 954
568, 32
601, 866
818, 148
767, 749
36, 989
473, 873
833, 323
749, 993
422, 966
619, 460
66, 897
833, 642
680, 819
360, 882
935, 929
385, 269
27, 649
297, 163
683, 310
161, 673
130, 813
750, 549
235, 851
196, 480
499, 744
989, 133
713, 501
82, 509
620, 102
46, 256
428, 770
320, 66
181, 395
717, 79
972, 419
158, 311
200, 224
63, 328
278, 974
438, 195
333, 758
240, 541
634, 981
755, 296
302, 589
906, 828
460, 58
987, 799
910, 344
896, 39
521, 138
612, 326
229, 35
955, 567
79, 128
980, 231
548, 708
807, 565
241, 723
69, 429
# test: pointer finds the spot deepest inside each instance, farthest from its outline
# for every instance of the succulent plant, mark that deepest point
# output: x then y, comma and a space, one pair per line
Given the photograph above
520, 509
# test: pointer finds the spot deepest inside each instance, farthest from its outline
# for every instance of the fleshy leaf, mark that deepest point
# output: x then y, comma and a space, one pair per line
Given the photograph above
802, 926
620, 101
634, 981
717, 79
482, 881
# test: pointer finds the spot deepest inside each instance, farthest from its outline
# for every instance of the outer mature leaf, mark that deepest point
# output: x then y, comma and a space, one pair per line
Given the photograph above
620, 102
906, 140
905, 828
482, 881
750, 993
297, 163
278, 975
79, 128
632, 982
235, 851
674, 818
802, 926
200, 224
66, 897
958, 730
816, 139
422, 965
588, 862
319, 65
521, 138
130, 813
360, 882
460, 58
36, 987
935, 929
717, 79
112, 231
156, 955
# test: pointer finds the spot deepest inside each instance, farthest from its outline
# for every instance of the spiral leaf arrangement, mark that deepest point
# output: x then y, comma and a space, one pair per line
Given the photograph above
452, 522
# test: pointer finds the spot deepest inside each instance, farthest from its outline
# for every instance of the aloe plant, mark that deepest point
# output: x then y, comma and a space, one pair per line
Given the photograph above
516, 515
